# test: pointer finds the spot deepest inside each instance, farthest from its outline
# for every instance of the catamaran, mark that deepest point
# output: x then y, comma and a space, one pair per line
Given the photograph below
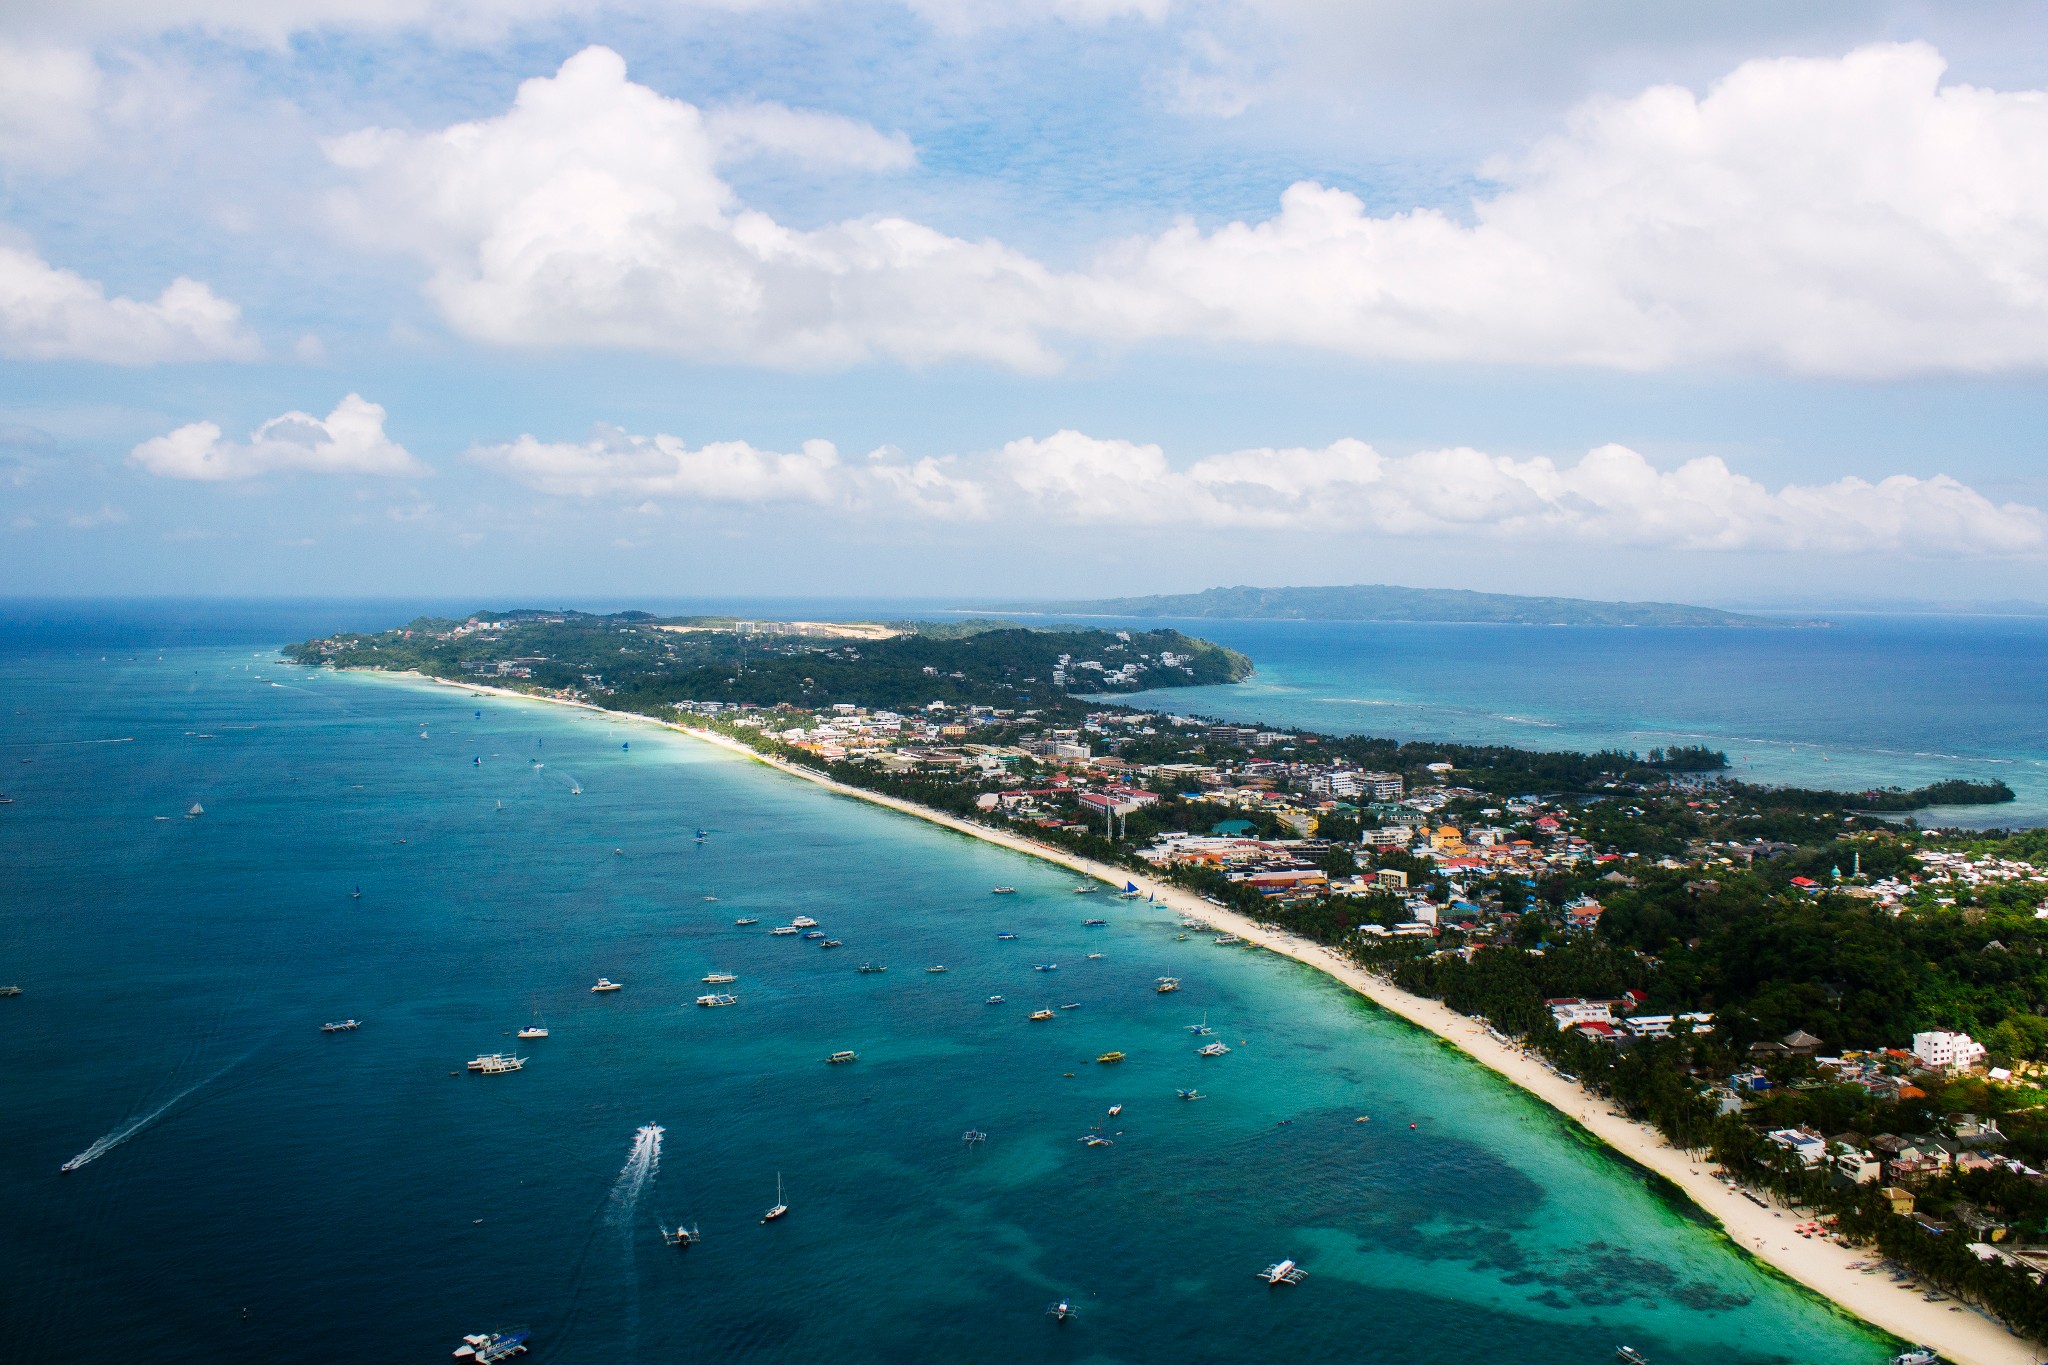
780, 1207
486, 1347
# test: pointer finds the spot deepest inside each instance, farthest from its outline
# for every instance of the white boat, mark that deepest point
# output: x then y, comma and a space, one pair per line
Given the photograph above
780, 1207
196, 811
870, 968
1060, 1311
935, 968
1006, 891
1912, 1355
497, 1063
344, 1026
972, 1136
745, 920
1093, 956
1283, 1272
604, 984
1212, 1050
782, 929
712, 1002
1225, 940
533, 1031
1167, 985
804, 922
841, 1058
719, 978
1202, 1029
1041, 1014
680, 1236
485, 1347
995, 1000
1116, 1109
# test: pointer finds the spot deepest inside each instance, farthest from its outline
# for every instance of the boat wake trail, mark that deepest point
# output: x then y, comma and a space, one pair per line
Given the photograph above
641, 1164
128, 1129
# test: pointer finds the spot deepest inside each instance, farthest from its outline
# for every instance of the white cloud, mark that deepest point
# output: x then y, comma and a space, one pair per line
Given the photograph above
806, 136
591, 213
620, 466
47, 313
1847, 216
1611, 497
48, 96
349, 440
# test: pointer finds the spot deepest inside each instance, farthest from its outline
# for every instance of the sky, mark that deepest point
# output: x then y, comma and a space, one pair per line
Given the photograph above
1721, 302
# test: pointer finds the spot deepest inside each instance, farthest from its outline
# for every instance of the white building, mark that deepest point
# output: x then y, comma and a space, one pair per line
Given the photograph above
1948, 1051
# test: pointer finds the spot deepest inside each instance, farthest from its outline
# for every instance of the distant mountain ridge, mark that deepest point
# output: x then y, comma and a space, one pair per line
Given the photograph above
1382, 602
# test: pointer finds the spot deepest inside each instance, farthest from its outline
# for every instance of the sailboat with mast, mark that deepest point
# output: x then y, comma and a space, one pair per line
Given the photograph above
780, 1207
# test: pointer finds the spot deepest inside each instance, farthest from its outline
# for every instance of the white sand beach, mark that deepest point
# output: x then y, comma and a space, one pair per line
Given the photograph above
1764, 1230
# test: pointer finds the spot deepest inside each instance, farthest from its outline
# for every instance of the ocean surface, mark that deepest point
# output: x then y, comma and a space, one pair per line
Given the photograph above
259, 1191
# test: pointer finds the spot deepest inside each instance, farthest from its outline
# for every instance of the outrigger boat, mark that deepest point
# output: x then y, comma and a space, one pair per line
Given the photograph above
744, 919
973, 1135
870, 968
841, 1058
345, 1026
719, 978
1225, 940
1629, 1355
831, 943
1093, 923
1060, 1311
1189, 1094
485, 1347
1202, 1029
995, 1000
1212, 1050
712, 1002
1283, 1272
497, 1063
781, 930
1912, 1355
814, 933
680, 1236
804, 922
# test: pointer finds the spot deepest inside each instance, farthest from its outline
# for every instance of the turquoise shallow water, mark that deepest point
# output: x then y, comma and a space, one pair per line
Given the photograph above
360, 1203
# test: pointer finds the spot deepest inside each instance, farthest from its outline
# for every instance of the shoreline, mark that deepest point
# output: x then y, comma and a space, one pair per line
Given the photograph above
1763, 1231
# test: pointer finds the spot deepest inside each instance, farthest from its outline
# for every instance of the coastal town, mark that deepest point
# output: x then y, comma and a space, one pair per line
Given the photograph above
1840, 1010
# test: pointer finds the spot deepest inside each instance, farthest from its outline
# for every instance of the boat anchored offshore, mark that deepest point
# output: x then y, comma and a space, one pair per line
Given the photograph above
781, 930
1005, 935
1188, 1094
1060, 1311
1629, 1355
1041, 1014
870, 968
1202, 1029
935, 969
1116, 1109
719, 978
1212, 1050
1093, 923
973, 1135
1167, 985
841, 1058
605, 984
1283, 1272
1046, 967
1110, 1057
712, 1002
814, 933
485, 1347
532, 1031
995, 1000
344, 1026
496, 1063
746, 919
680, 1236
804, 922
1005, 891
780, 1207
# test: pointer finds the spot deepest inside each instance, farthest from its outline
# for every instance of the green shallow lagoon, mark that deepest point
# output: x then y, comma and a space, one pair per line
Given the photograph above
332, 1185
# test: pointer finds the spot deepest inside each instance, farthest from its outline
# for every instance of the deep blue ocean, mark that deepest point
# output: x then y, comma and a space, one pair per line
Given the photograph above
357, 1201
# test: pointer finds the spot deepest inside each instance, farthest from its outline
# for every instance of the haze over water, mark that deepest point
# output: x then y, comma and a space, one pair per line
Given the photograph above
333, 1185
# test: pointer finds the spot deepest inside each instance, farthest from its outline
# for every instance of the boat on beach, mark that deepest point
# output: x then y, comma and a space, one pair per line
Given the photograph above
1226, 940
343, 1026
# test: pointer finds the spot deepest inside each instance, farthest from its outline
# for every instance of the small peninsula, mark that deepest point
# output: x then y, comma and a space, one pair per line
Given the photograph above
1383, 602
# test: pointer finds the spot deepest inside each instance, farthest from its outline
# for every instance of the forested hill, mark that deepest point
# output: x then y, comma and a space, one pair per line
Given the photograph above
637, 658
1380, 602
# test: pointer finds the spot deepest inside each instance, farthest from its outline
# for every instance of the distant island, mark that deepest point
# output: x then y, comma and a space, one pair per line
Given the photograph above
1383, 602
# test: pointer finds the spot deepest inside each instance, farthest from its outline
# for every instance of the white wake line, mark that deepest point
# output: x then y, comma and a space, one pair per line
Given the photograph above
101, 1146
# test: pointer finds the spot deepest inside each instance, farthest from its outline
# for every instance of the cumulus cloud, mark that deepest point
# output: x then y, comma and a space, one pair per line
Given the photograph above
1611, 496
349, 440
48, 95
617, 465
592, 213
48, 313
1848, 216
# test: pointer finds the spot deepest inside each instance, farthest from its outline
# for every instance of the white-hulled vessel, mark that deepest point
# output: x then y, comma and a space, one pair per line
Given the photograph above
344, 1026
804, 922
780, 1207
604, 984
719, 978
486, 1347
712, 1002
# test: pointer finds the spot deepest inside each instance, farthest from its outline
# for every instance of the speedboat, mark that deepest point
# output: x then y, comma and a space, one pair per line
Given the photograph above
604, 984
345, 1026
995, 1000
841, 1058
485, 1347
719, 978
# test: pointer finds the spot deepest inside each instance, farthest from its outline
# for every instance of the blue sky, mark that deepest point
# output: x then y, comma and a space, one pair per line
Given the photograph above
1019, 297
